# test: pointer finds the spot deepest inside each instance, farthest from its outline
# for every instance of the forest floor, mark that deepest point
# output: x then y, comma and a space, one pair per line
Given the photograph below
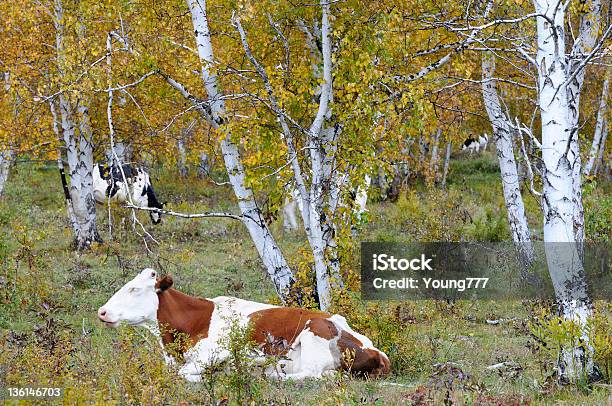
49, 334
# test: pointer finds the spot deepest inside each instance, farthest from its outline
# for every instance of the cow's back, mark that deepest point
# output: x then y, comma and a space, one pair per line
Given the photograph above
277, 331
281, 326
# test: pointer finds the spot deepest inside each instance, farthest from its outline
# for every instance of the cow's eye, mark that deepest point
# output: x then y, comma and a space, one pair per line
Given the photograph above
133, 289
153, 274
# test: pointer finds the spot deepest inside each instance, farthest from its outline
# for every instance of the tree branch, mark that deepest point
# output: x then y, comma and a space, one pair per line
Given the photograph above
444, 60
187, 215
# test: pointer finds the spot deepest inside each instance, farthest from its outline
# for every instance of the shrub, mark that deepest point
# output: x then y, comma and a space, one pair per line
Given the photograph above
552, 333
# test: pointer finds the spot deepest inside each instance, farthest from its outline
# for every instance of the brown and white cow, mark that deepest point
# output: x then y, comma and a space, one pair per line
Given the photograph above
312, 343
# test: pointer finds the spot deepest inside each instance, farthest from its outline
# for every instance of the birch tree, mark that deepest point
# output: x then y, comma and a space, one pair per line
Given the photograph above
599, 161
433, 162
215, 113
60, 164
6, 158
502, 134
559, 81
599, 142
313, 198
315, 168
449, 148
184, 136
6, 151
561, 195
585, 42
78, 140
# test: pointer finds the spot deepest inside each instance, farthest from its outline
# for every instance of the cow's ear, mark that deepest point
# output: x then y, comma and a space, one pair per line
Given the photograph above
164, 283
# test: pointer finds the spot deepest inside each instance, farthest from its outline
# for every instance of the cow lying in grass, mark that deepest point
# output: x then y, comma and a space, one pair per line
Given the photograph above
312, 344
109, 182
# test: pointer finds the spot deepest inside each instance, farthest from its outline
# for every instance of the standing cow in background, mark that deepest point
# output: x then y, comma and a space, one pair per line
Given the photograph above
120, 182
475, 145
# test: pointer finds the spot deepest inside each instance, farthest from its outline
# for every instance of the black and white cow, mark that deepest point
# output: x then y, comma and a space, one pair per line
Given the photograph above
109, 182
474, 145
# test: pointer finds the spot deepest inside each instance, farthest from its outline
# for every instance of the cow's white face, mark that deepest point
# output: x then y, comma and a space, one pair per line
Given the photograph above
135, 303
155, 217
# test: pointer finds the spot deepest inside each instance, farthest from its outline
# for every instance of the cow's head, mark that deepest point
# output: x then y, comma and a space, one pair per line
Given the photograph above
153, 203
156, 216
136, 302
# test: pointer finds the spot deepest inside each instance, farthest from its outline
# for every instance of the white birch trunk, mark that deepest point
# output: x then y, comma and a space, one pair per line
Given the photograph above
204, 166
433, 163
6, 154
266, 246
599, 128
602, 148
185, 135
60, 166
449, 147
79, 151
561, 187
318, 225
507, 163
6, 159
182, 156
84, 205
80, 165
332, 179
361, 197
320, 237
590, 23
329, 145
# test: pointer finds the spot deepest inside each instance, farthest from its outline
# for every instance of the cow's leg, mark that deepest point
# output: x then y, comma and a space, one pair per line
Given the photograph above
169, 359
316, 356
191, 372
206, 353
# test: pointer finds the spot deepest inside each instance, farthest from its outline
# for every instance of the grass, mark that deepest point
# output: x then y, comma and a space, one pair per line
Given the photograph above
49, 296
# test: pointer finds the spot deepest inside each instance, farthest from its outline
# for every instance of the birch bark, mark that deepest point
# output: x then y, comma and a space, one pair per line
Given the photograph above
6, 155
6, 158
561, 187
433, 163
449, 147
599, 127
266, 246
182, 155
79, 149
361, 197
507, 163
587, 36
60, 166
317, 211
321, 149
602, 148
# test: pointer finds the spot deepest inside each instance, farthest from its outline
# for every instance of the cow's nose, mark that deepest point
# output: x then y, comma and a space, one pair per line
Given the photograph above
101, 313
